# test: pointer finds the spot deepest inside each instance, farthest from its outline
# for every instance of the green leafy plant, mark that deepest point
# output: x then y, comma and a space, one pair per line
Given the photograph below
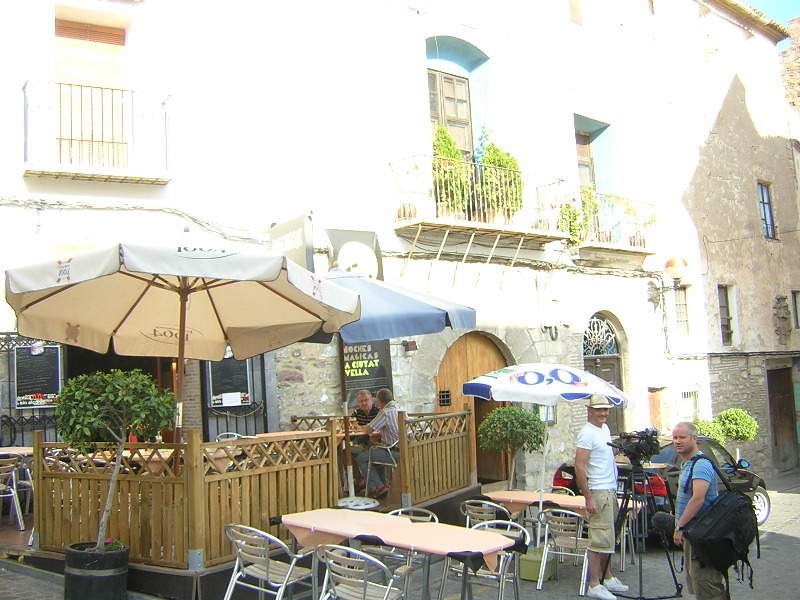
451, 175
509, 429
570, 220
737, 424
500, 181
99, 410
712, 429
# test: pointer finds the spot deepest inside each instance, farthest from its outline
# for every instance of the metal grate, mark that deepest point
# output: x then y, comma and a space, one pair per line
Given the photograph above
445, 398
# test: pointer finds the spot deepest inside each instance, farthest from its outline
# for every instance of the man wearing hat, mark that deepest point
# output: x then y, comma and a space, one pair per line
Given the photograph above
596, 475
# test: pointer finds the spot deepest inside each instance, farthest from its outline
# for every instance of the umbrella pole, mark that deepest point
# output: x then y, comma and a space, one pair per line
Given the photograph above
541, 485
181, 354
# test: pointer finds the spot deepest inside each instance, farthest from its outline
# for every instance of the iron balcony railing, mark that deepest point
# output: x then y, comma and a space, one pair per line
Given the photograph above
87, 127
471, 192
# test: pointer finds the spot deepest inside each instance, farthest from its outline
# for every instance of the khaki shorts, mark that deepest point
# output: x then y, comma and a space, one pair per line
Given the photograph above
705, 582
602, 537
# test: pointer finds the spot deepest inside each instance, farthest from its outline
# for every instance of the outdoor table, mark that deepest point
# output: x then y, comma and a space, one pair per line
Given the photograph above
330, 525
21, 450
518, 500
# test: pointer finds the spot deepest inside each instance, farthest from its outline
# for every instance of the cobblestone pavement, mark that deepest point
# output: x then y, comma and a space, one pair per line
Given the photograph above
780, 547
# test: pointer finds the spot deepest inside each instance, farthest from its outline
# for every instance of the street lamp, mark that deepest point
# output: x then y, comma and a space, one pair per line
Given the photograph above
675, 269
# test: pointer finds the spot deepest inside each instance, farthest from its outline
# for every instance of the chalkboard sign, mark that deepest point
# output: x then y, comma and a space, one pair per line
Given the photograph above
229, 381
37, 373
366, 366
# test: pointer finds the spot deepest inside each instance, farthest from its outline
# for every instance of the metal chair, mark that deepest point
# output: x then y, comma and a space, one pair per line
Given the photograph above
389, 462
563, 536
478, 511
8, 488
228, 436
507, 561
531, 517
352, 574
254, 549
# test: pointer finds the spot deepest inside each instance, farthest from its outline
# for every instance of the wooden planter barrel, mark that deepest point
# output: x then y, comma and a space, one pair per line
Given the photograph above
95, 575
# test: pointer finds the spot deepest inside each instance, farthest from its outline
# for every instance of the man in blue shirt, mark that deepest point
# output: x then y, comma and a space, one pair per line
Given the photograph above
705, 582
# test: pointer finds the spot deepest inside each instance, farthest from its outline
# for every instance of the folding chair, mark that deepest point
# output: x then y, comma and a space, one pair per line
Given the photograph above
254, 549
478, 511
507, 561
8, 488
563, 536
352, 574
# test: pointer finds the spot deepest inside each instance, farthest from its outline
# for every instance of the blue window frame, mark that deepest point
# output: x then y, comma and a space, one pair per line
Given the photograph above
765, 209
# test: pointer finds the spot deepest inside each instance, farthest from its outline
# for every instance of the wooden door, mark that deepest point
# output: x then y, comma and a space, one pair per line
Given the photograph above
470, 356
784, 427
608, 368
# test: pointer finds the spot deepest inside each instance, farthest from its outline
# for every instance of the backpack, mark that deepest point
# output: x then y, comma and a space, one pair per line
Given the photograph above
721, 536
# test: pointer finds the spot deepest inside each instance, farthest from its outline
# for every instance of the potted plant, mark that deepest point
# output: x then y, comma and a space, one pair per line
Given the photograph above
98, 411
570, 220
499, 180
509, 429
451, 175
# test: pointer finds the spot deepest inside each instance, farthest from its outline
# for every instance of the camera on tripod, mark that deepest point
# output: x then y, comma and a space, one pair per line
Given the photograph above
638, 446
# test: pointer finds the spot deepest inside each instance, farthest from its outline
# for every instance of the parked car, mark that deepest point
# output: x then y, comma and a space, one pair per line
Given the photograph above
663, 471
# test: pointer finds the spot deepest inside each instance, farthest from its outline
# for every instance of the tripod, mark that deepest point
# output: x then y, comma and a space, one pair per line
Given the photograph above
644, 500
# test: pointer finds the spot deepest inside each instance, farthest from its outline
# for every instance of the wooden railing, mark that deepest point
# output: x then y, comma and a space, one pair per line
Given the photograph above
174, 500
435, 454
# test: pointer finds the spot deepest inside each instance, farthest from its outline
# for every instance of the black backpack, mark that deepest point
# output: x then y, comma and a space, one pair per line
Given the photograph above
722, 535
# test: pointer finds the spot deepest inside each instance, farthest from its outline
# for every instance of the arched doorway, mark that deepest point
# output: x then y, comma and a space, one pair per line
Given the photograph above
601, 356
471, 355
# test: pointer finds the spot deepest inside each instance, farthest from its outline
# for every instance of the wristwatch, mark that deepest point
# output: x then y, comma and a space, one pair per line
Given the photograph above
678, 528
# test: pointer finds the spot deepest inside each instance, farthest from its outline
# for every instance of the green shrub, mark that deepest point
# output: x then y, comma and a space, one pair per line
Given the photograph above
737, 424
711, 429
451, 175
511, 428
501, 186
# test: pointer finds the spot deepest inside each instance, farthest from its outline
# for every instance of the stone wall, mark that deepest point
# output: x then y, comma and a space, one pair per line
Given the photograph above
739, 381
791, 66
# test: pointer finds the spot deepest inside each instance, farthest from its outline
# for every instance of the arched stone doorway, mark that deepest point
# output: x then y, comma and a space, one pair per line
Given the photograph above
602, 356
471, 355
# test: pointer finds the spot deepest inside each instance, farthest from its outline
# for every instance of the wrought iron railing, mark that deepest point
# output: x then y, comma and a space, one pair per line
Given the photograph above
92, 126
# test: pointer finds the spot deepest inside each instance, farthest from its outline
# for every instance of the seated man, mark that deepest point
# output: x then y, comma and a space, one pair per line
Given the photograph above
384, 427
366, 411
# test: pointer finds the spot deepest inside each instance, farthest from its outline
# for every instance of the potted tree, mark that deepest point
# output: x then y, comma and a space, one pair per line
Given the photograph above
451, 176
98, 411
499, 181
509, 429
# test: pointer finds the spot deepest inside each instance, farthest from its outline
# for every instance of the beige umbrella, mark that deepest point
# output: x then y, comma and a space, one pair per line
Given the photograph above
176, 302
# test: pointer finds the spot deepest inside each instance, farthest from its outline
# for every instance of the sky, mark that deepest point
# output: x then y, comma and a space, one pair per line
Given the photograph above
778, 10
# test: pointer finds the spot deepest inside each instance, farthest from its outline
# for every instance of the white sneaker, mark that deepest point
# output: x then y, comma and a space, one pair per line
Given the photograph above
600, 592
615, 585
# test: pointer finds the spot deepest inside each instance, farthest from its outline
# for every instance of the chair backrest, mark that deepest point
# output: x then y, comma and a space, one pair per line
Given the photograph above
564, 527
8, 469
478, 511
510, 529
350, 573
253, 546
416, 513
228, 436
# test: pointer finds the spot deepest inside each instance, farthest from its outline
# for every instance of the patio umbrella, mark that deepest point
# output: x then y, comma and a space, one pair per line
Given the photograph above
176, 302
391, 311
546, 384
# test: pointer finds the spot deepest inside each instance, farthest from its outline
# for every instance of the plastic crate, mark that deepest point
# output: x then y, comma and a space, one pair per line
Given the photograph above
529, 565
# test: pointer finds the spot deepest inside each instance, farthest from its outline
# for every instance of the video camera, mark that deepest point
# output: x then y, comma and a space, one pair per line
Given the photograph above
638, 446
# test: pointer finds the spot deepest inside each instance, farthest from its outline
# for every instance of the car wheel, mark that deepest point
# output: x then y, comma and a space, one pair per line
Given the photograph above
761, 504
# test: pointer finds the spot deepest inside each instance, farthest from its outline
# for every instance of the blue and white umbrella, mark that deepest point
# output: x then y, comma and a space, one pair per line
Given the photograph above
542, 383
545, 384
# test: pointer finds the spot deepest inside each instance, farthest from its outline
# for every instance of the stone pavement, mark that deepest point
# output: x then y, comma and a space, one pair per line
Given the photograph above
775, 573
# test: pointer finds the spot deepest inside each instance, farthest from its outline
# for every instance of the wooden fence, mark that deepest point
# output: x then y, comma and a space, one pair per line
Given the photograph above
435, 453
174, 500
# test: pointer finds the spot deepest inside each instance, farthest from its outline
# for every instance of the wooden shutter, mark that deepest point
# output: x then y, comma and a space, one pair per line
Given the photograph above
90, 33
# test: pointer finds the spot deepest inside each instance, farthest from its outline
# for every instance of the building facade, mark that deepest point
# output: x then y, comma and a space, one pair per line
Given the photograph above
586, 144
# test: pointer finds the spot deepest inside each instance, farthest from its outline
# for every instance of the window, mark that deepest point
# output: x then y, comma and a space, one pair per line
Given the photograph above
765, 209
725, 319
681, 312
583, 146
795, 308
575, 12
450, 106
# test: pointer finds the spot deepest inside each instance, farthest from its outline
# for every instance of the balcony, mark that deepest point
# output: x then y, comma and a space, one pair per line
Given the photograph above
94, 133
466, 202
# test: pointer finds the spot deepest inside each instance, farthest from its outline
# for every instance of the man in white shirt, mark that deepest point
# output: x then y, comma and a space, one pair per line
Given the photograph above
596, 474
384, 427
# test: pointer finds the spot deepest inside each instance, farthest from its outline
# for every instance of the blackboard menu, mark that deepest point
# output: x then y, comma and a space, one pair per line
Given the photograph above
367, 366
229, 381
37, 373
